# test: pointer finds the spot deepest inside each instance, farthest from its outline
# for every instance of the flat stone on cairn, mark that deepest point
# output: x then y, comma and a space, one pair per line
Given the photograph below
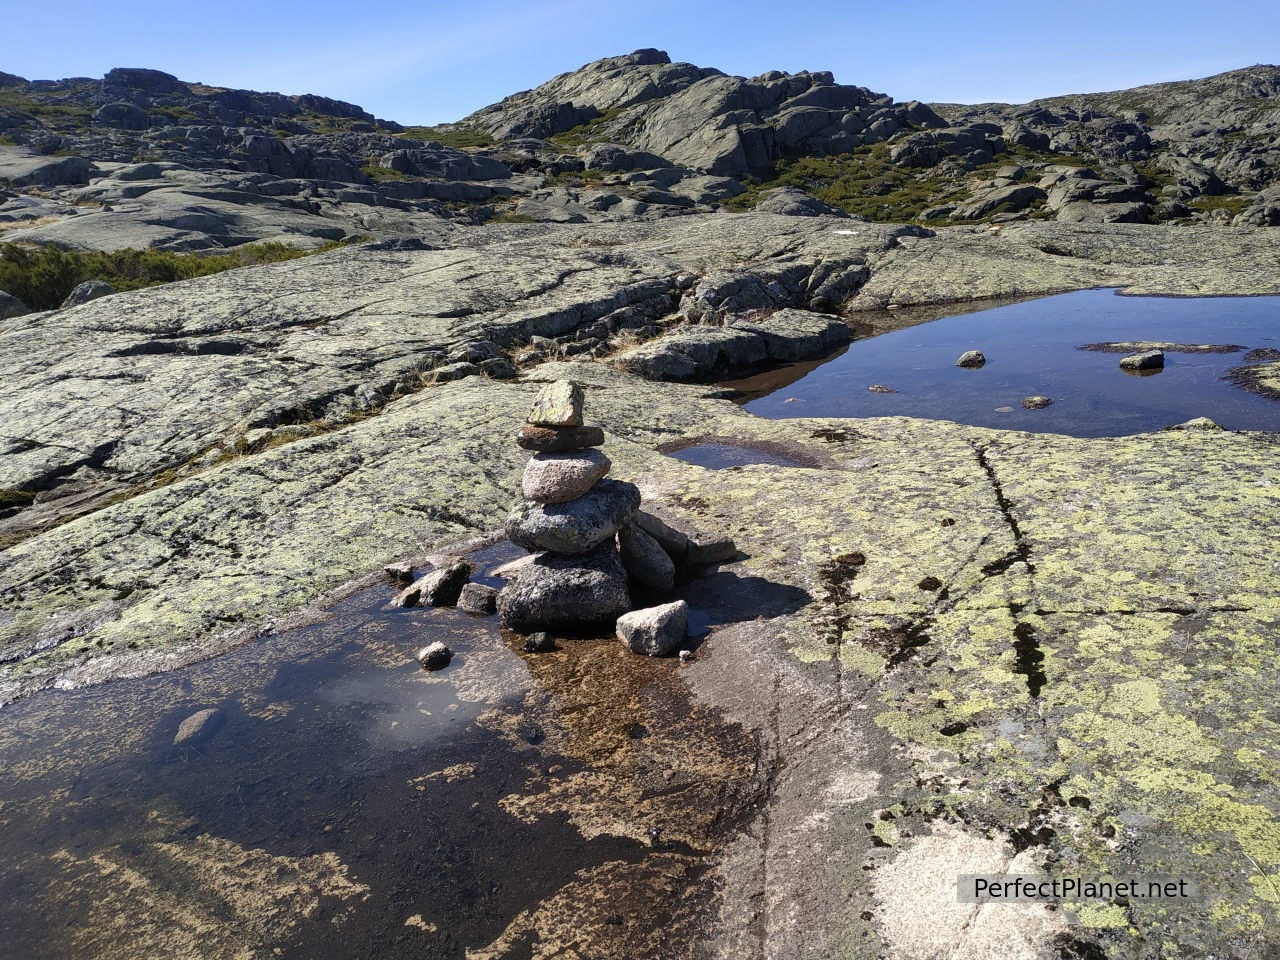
558, 405
558, 439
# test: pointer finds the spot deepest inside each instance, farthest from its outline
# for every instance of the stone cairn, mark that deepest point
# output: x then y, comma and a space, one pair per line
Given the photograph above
591, 540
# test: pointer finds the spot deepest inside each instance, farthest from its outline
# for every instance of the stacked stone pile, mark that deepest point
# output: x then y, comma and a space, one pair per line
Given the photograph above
592, 543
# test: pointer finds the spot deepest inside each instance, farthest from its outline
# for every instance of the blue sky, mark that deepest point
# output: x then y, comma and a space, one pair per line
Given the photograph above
429, 62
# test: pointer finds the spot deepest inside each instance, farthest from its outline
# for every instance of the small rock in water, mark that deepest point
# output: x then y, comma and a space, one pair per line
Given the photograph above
439, 588
479, 599
1036, 403
559, 404
199, 726
686, 656
881, 388
399, 571
539, 643
561, 477
971, 359
1148, 360
435, 656
1004, 409
655, 631
558, 439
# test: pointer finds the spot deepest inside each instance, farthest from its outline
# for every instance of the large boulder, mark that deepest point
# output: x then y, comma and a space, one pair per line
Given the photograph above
794, 202
557, 592
11, 306
445, 163
1008, 198
125, 116
577, 526
89, 290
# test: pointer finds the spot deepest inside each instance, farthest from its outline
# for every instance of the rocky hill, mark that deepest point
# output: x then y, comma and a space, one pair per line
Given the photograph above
142, 159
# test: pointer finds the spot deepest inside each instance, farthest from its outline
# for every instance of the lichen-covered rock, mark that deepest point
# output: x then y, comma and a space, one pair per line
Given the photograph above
655, 631
558, 440
645, 559
971, 359
559, 404
576, 526
562, 592
1036, 403
561, 477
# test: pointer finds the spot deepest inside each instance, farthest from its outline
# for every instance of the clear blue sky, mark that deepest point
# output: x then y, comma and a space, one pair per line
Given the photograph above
428, 62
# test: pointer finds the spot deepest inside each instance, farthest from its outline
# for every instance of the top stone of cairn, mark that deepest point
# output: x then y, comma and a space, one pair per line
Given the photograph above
559, 404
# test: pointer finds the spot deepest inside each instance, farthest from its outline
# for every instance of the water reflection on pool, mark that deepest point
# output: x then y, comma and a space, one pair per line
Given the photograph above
1032, 349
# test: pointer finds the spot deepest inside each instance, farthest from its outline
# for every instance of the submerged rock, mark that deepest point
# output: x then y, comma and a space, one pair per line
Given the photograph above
971, 359
577, 526
1148, 360
558, 439
539, 643
434, 656
645, 559
558, 592
561, 477
199, 726
655, 631
558, 405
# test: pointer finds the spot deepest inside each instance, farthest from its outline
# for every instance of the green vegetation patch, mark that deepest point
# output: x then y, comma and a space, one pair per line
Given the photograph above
42, 277
1234, 205
455, 135
585, 133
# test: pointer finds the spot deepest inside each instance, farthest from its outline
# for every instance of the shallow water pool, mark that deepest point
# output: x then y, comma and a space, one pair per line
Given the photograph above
1032, 349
